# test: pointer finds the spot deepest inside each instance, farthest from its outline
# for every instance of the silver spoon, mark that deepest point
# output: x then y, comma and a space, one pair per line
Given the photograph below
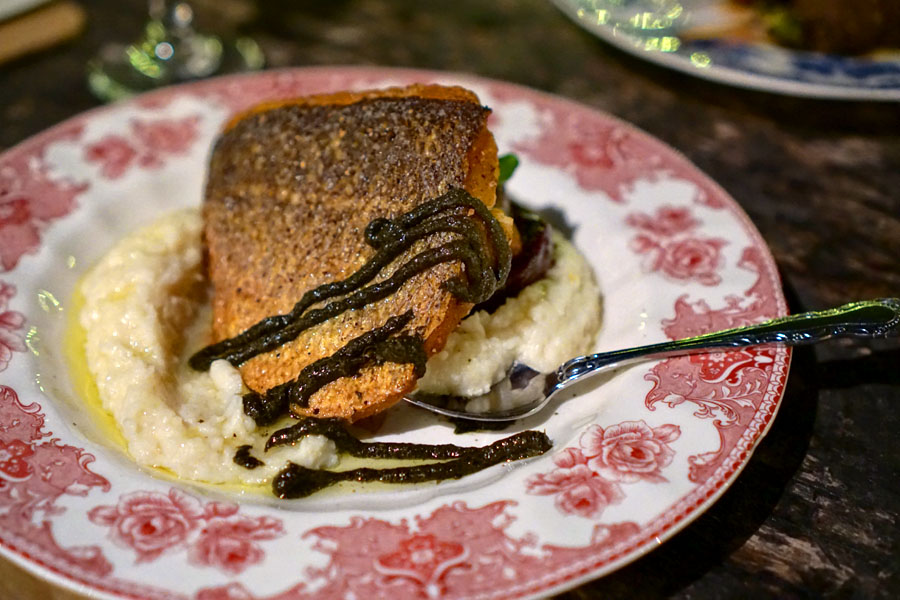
530, 390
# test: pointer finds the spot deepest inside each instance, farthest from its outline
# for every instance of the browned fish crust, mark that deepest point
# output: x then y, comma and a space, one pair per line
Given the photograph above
291, 189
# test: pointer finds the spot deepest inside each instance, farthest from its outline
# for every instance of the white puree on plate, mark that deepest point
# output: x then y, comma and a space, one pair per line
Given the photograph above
547, 323
146, 311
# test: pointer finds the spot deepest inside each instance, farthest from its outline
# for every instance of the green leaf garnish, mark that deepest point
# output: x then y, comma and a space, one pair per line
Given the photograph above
508, 164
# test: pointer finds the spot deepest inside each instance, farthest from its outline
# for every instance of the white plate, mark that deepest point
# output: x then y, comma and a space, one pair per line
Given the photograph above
697, 41
634, 460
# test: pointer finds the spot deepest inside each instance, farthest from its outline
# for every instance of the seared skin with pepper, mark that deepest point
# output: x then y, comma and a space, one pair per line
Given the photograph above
291, 189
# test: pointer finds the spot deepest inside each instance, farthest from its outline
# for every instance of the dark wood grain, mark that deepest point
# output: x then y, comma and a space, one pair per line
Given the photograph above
815, 513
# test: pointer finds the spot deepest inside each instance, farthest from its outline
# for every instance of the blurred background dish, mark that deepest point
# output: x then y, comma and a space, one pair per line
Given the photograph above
757, 45
9, 8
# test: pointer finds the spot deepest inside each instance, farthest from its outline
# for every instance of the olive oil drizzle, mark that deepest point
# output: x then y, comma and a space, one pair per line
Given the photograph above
390, 237
373, 347
295, 481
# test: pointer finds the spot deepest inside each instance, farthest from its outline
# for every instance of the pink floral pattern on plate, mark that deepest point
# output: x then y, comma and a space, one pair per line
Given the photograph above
456, 552
630, 451
672, 248
464, 548
11, 324
35, 472
587, 478
579, 490
31, 197
151, 523
13, 460
147, 145
605, 156
728, 387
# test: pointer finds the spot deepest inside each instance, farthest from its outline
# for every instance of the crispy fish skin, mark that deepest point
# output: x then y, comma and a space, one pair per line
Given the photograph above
291, 189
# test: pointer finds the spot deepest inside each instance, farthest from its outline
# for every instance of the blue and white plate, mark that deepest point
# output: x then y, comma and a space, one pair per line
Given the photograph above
715, 40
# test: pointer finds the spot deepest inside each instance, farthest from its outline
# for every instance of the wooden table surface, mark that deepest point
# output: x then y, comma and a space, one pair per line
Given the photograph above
815, 513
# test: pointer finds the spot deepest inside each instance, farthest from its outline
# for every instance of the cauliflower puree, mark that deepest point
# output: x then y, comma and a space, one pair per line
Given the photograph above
146, 311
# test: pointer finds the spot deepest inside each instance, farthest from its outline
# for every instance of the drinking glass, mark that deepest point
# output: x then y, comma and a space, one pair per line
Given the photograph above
171, 50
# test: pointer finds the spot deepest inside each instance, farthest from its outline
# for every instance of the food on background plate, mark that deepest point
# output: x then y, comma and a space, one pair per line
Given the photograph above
836, 26
347, 235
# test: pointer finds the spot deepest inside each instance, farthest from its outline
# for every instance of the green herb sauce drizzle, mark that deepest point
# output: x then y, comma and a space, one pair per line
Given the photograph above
298, 482
243, 458
371, 348
346, 443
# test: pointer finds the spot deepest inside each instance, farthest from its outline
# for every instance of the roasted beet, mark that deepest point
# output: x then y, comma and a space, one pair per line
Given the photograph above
531, 263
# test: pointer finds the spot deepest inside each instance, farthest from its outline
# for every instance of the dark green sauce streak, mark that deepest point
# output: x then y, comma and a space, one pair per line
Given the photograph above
461, 425
298, 482
371, 348
346, 443
243, 458
486, 270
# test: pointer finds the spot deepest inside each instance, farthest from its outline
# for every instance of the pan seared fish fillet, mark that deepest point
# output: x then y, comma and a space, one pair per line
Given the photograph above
291, 189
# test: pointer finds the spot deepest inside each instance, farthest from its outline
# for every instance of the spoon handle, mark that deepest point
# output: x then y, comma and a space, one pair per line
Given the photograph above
869, 318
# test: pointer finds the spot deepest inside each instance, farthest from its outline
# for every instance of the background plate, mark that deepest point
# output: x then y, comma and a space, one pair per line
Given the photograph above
758, 65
